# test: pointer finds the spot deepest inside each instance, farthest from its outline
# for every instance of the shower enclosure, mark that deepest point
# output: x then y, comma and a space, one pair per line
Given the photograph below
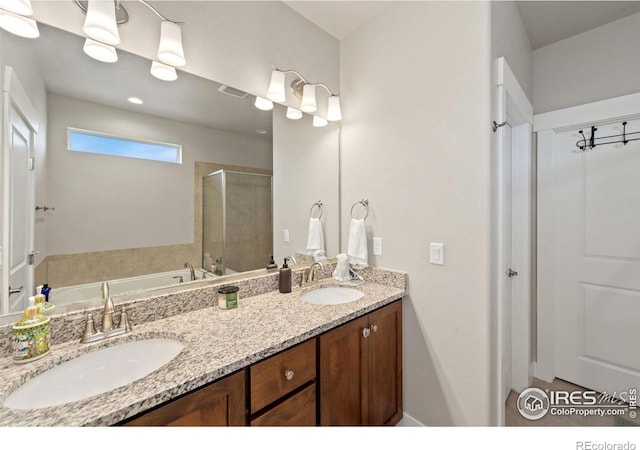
237, 232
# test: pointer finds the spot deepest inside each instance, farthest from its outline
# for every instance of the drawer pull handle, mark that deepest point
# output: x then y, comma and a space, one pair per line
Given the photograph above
288, 374
366, 332
374, 328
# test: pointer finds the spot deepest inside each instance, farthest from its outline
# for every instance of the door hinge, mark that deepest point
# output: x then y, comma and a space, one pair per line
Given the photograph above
32, 163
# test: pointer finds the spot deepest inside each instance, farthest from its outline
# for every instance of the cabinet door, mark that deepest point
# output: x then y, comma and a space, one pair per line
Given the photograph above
343, 380
385, 365
221, 403
299, 410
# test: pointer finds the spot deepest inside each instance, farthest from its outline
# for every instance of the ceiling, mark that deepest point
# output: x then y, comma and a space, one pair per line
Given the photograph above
546, 22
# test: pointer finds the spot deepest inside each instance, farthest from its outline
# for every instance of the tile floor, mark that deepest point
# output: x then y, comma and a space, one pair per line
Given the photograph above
513, 417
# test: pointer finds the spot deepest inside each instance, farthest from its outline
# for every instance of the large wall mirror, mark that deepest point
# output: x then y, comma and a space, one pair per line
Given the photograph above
112, 218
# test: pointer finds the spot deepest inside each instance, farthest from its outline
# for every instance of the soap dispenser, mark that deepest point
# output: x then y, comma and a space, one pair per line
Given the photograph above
31, 335
272, 264
284, 279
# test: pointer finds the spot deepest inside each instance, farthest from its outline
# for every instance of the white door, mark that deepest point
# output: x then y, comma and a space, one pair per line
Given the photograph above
21, 211
596, 274
507, 260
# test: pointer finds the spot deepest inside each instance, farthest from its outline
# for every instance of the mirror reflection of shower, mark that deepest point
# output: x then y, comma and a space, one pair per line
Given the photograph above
236, 221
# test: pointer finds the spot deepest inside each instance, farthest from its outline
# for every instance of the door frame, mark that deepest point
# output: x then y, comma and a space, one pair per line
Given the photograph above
547, 125
13, 94
512, 106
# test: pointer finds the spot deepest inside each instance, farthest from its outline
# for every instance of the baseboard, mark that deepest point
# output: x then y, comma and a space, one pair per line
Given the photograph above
408, 421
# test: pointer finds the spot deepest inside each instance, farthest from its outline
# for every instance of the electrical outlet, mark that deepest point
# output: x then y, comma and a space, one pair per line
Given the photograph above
377, 246
436, 253
285, 235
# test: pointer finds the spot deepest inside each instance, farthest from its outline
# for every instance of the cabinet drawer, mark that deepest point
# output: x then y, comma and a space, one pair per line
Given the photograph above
297, 411
282, 373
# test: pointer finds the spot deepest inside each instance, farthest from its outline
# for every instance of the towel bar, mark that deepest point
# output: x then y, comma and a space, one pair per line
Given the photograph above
365, 203
319, 205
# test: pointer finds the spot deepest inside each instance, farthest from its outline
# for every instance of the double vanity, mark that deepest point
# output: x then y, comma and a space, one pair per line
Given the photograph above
323, 354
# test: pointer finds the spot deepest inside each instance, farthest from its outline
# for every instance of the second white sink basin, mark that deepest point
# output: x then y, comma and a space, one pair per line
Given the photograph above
94, 373
332, 295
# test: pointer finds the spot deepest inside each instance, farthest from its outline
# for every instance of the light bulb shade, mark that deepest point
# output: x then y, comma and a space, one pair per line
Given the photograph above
170, 50
100, 23
101, 52
319, 121
22, 7
18, 25
308, 103
263, 104
293, 113
163, 72
276, 87
333, 109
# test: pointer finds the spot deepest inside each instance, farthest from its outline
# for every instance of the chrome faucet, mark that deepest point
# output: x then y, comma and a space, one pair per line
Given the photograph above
193, 272
311, 273
107, 329
290, 258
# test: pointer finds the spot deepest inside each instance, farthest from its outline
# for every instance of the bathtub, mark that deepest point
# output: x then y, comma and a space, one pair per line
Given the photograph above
92, 291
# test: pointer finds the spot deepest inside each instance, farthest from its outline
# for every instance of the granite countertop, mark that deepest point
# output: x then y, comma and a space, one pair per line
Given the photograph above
217, 343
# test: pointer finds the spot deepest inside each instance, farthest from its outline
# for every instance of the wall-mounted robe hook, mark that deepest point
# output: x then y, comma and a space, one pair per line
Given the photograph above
495, 125
582, 147
592, 140
624, 133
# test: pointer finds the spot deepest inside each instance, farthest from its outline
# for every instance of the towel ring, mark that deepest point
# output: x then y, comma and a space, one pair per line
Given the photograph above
319, 205
364, 202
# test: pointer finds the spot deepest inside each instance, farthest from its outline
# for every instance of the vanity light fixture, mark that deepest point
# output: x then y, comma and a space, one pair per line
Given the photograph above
263, 104
101, 26
305, 91
319, 122
13, 18
293, 113
101, 52
163, 71
100, 22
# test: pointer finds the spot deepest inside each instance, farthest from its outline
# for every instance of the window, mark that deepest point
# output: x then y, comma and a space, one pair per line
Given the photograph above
91, 142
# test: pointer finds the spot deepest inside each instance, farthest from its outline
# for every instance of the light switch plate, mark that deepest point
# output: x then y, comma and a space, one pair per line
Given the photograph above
285, 235
436, 253
377, 246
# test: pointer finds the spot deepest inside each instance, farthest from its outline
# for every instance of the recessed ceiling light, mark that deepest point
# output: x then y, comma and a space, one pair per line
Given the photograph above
261, 131
135, 100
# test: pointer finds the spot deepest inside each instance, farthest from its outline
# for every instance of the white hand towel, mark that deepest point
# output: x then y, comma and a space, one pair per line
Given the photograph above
315, 238
357, 247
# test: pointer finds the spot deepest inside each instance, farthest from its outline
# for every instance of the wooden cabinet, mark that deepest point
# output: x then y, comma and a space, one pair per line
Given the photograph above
358, 382
221, 403
360, 374
283, 388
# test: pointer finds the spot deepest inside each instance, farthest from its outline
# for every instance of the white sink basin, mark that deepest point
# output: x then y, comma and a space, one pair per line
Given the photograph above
94, 373
332, 295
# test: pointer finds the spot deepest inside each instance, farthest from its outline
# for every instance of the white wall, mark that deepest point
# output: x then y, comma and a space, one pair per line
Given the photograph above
509, 39
106, 202
595, 65
305, 170
415, 142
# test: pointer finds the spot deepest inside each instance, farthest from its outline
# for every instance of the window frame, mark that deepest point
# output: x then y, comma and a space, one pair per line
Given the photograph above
176, 147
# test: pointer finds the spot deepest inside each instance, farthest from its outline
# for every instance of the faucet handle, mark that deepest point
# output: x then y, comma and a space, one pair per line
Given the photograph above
124, 321
89, 329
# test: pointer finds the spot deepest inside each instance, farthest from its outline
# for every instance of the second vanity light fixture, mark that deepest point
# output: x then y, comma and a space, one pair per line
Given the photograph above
306, 92
15, 18
101, 28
